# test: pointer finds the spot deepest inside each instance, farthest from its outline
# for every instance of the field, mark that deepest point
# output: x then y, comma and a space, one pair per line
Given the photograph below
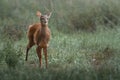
85, 42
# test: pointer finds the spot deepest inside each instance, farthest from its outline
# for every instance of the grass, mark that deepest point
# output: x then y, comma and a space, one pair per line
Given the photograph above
84, 44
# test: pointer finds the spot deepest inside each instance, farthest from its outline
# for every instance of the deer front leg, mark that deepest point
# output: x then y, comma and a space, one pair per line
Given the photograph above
39, 50
46, 57
36, 34
35, 38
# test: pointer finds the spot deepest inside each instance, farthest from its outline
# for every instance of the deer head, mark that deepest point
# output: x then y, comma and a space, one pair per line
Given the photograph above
43, 18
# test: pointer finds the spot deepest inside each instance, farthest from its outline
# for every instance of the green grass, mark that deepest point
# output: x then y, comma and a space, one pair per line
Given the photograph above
84, 43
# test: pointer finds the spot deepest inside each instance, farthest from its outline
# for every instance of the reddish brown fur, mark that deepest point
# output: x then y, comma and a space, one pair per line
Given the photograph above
38, 34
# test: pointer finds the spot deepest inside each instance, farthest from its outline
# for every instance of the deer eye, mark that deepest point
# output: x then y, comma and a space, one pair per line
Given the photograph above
47, 18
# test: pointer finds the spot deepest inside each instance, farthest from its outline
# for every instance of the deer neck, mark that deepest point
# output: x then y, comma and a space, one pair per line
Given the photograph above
43, 25
43, 30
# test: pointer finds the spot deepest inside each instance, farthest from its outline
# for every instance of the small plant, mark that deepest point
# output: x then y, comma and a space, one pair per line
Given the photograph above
101, 58
11, 55
2, 56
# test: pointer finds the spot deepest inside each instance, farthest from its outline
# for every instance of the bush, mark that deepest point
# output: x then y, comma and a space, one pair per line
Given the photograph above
13, 31
83, 22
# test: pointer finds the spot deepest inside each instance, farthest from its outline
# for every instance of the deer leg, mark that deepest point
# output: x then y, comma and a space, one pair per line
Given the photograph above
28, 48
45, 54
39, 50
35, 39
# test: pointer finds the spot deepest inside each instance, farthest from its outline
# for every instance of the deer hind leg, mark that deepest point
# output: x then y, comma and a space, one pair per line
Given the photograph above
30, 44
46, 57
39, 53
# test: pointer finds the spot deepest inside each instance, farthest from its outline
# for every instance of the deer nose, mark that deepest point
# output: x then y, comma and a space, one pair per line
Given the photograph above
45, 21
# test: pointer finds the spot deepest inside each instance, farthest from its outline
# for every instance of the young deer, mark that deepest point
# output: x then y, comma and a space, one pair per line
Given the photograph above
39, 34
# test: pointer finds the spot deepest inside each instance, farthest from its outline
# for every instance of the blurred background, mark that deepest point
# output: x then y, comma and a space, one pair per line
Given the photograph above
85, 41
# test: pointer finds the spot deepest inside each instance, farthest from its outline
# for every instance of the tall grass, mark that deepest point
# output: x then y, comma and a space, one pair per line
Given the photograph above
67, 15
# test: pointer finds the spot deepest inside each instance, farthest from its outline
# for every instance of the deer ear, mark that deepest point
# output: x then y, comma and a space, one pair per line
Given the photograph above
49, 14
38, 13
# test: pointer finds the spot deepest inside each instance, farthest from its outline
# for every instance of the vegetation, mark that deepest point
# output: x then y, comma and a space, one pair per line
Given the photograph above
84, 44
